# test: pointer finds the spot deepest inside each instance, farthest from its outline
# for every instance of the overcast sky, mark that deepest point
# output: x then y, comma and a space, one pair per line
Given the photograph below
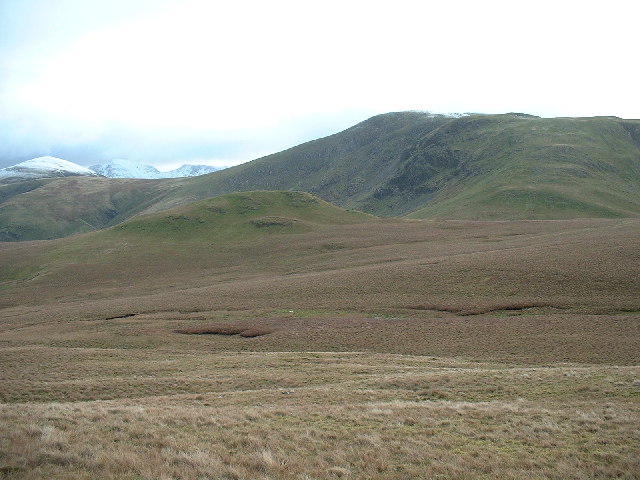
168, 82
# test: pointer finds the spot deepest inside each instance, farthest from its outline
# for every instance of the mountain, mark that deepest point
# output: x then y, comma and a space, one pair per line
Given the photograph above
119, 168
471, 167
344, 168
43, 167
478, 167
189, 170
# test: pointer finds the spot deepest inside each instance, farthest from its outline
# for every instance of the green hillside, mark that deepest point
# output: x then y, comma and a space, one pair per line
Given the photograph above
53, 208
345, 168
237, 216
511, 166
205, 236
480, 166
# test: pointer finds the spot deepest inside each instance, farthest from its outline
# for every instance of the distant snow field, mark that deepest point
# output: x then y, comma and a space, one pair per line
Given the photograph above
120, 168
45, 167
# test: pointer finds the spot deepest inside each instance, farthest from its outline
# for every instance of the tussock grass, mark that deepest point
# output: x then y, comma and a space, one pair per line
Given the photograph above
363, 415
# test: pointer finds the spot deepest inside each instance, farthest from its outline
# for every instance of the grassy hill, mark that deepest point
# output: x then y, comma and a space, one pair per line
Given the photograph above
506, 167
511, 166
238, 216
185, 242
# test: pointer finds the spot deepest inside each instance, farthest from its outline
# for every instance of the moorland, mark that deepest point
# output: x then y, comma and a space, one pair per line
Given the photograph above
271, 334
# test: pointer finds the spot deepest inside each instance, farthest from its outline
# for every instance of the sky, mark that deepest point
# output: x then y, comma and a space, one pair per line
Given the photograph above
167, 82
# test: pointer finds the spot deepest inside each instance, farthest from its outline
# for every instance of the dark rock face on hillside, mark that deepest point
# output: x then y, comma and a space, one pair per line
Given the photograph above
633, 129
425, 171
348, 165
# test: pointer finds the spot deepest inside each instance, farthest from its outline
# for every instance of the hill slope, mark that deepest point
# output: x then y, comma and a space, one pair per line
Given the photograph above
510, 166
239, 230
52, 208
237, 216
479, 166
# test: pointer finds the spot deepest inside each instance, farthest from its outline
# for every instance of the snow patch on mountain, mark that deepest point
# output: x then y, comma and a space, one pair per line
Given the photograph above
44, 167
56, 164
120, 168
191, 171
444, 114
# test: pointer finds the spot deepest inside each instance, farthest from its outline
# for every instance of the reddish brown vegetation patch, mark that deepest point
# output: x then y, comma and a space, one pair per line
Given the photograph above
126, 315
242, 330
481, 309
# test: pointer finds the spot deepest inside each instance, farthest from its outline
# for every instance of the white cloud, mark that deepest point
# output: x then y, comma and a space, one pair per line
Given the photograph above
243, 68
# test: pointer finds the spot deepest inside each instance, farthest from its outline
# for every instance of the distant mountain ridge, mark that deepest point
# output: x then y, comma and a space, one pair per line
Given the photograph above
119, 168
52, 167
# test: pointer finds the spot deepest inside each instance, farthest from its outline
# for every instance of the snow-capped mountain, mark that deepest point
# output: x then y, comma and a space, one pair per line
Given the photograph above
120, 168
190, 171
44, 167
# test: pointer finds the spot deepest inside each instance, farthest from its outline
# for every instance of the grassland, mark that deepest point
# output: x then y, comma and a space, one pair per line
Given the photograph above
191, 413
379, 348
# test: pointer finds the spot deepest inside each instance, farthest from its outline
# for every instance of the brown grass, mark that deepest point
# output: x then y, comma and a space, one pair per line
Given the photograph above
445, 350
572, 265
359, 415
